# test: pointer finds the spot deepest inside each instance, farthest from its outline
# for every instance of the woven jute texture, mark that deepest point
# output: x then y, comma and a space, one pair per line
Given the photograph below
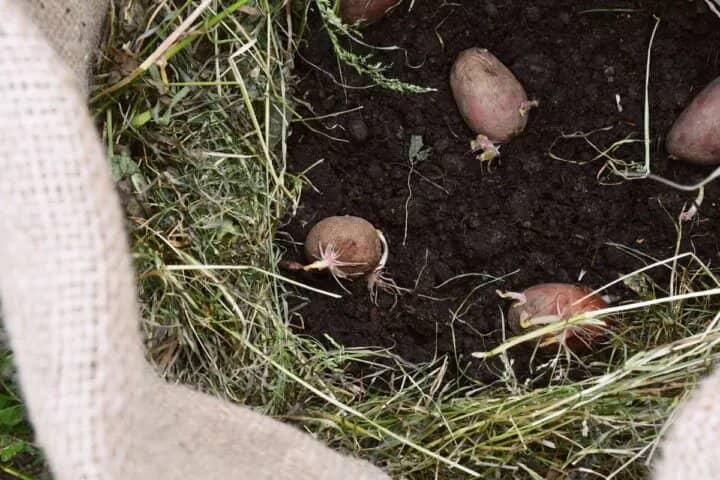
688, 448
69, 298
70, 307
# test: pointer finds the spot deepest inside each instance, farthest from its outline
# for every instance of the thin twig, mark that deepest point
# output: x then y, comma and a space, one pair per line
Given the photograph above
714, 7
687, 188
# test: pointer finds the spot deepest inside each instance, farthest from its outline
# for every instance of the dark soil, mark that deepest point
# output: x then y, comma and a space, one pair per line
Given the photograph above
544, 219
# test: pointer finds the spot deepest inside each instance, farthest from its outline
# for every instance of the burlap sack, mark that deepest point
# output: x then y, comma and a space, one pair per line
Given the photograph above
68, 289
688, 449
69, 300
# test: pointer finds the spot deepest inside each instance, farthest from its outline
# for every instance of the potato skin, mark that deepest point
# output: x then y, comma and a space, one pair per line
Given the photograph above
365, 11
558, 299
488, 95
695, 135
355, 238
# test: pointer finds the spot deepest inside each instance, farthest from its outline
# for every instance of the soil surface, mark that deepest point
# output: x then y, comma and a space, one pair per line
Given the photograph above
528, 218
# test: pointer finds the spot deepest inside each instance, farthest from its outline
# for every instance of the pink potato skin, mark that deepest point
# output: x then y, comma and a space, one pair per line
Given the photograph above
365, 11
558, 299
488, 95
695, 135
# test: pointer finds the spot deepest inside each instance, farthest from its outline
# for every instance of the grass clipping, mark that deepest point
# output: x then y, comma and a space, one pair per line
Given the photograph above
196, 138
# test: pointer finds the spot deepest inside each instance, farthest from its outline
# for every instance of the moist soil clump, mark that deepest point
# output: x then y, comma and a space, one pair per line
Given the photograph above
455, 224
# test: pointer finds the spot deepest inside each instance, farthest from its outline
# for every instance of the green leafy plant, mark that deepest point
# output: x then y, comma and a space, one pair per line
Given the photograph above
363, 64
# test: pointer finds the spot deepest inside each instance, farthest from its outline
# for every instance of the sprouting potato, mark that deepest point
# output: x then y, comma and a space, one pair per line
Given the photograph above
549, 303
490, 99
346, 246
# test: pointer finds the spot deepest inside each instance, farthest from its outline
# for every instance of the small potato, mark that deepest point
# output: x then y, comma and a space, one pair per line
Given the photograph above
554, 302
695, 135
346, 246
490, 98
365, 11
